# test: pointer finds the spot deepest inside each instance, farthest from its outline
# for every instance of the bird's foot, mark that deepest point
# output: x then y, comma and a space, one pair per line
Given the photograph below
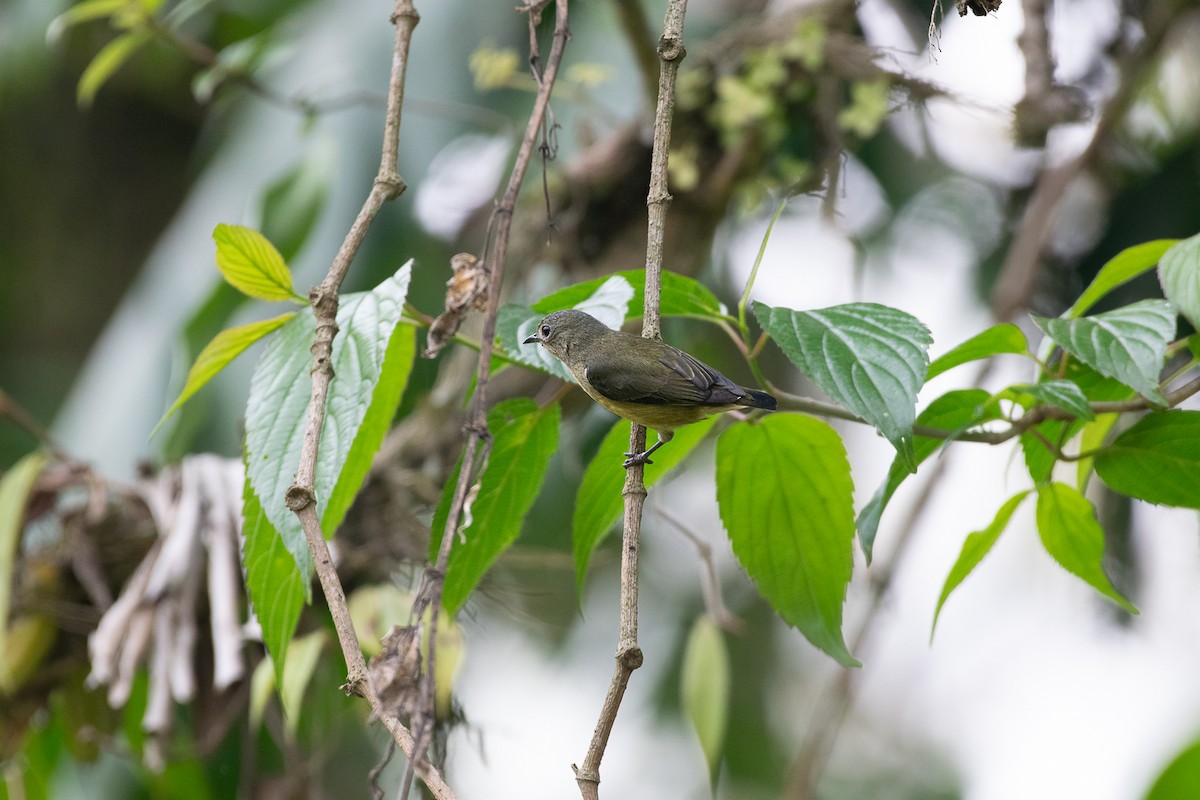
643, 457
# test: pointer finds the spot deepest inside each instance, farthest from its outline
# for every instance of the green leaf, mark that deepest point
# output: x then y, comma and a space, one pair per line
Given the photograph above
252, 265
681, 297
292, 204
83, 12
524, 438
106, 63
1129, 344
277, 590
953, 411
216, 355
297, 674
1092, 437
1180, 778
606, 303
786, 500
1157, 460
599, 505
977, 545
278, 405
15, 487
1062, 394
704, 688
1123, 267
1070, 533
1179, 275
1002, 338
870, 358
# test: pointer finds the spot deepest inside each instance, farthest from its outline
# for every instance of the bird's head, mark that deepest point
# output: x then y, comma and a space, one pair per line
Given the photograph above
567, 334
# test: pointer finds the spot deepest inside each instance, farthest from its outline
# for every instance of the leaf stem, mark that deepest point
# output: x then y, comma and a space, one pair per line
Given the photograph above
762, 249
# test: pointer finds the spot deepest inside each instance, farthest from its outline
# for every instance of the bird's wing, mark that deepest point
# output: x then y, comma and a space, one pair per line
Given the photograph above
669, 377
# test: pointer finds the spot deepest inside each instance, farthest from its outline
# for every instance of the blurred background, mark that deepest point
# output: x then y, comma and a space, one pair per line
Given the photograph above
969, 185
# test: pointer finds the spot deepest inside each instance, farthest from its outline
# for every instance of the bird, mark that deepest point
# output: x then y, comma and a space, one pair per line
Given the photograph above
646, 381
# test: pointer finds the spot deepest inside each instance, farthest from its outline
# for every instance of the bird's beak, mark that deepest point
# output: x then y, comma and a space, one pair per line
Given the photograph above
532, 340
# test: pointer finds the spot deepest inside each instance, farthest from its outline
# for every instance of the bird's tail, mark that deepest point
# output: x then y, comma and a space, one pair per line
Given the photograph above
756, 399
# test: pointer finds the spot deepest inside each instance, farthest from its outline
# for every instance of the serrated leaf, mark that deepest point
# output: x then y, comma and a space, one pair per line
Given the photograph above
1070, 533
599, 505
1121, 268
1129, 344
607, 303
1062, 394
870, 358
297, 674
704, 688
1156, 460
218, 353
276, 588
524, 437
278, 404
106, 63
998, 339
1179, 275
252, 265
975, 547
681, 296
786, 500
953, 411
15, 487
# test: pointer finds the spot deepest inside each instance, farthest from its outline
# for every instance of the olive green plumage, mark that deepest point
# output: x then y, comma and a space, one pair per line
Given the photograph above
643, 380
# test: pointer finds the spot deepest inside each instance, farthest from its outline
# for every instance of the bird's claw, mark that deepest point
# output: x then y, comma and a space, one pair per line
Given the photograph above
633, 459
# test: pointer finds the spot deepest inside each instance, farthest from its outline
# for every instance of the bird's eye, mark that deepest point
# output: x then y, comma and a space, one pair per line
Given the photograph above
545, 331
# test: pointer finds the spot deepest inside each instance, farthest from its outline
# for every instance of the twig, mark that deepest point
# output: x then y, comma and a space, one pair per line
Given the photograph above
20, 416
629, 654
432, 582
1018, 274
301, 496
710, 582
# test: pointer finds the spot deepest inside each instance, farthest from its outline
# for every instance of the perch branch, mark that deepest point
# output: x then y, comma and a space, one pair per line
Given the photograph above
629, 654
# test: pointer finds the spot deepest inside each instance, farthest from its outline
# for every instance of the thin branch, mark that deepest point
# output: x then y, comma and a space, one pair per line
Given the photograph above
1030, 418
629, 654
1017, 280
301, 495
432, 582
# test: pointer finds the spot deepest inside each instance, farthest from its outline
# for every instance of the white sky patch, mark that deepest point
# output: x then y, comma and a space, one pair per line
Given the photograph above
460, 179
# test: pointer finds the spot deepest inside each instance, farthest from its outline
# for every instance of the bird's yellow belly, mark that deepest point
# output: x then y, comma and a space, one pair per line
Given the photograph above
661, 418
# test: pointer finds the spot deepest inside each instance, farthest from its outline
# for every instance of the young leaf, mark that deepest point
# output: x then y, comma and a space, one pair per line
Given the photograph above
15, 486
681, 296
297, 674
786, 500
514, 325
1002, 338
1157, 460
870, 358
1178, 781
952, 411
1070, 533
252, 265
1058, 393
524, 438
1123, 267
86, 11
704, 688
1179, 275
277, 590
105, 64
1129, 344
977, 545
216, 355
598, 504
279, 395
